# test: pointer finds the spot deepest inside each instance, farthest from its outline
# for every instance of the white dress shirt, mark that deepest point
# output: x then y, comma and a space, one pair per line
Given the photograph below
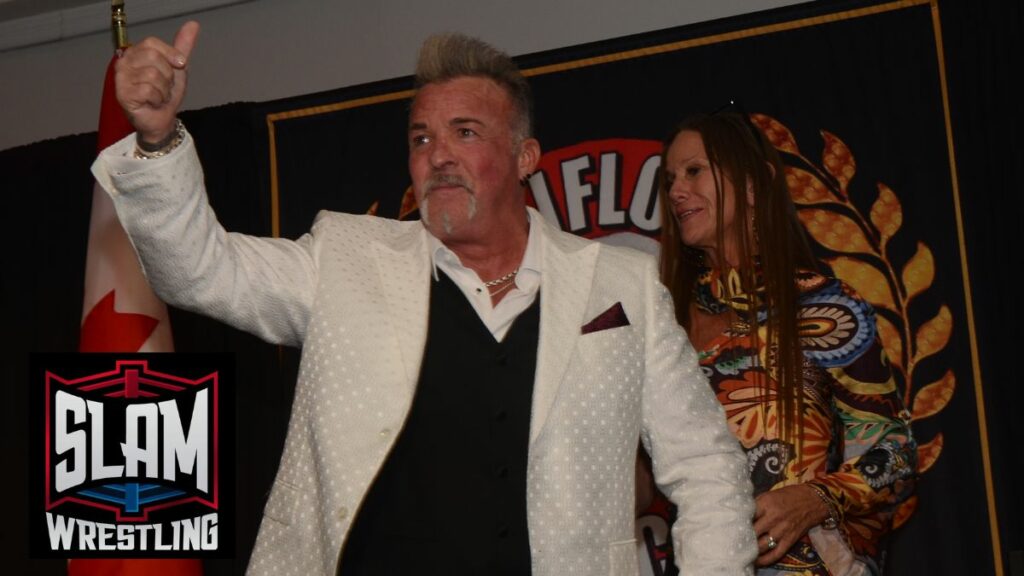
498, 319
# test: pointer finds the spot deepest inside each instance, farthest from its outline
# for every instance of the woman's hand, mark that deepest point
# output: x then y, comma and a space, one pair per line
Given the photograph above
782, 516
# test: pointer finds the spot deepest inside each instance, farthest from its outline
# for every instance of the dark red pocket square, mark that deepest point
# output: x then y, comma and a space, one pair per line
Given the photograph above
610, 318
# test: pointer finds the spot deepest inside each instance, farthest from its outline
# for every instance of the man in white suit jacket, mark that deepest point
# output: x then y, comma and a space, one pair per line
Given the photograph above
606, 359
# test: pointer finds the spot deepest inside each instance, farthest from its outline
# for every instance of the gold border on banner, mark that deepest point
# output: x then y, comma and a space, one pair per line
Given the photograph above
727, 37
968, 297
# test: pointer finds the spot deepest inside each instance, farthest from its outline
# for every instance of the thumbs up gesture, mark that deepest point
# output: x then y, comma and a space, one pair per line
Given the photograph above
150, 82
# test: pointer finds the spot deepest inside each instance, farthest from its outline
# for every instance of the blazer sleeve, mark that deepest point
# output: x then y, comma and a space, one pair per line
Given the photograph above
696, 460
260, 285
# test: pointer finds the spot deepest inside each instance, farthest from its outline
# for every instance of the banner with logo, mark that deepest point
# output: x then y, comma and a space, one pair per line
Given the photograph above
855, 100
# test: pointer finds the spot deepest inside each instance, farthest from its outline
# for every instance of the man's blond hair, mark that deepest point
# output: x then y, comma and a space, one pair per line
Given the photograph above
445, 57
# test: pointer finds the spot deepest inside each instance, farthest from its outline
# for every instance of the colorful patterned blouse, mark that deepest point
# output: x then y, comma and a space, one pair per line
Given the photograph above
856, 432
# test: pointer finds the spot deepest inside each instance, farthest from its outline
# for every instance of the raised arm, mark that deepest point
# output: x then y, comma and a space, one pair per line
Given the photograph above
260, 285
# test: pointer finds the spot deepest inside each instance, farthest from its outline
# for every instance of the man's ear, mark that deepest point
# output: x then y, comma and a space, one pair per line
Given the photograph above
529, 157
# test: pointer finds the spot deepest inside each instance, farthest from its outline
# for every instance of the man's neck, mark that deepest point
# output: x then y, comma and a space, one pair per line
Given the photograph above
496, 253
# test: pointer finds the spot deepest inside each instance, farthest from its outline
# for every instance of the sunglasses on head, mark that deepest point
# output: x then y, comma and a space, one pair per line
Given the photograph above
733, 106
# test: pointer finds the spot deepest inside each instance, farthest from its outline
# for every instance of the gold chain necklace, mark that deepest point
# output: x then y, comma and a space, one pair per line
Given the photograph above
502, 280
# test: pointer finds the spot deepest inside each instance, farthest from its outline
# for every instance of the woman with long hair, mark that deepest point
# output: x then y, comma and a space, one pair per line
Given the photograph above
792, 354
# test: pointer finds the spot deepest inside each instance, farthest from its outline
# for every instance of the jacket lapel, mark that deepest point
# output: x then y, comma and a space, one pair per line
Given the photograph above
403, 268
568, 271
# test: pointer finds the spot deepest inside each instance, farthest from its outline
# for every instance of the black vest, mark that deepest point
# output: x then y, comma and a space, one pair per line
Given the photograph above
451, 496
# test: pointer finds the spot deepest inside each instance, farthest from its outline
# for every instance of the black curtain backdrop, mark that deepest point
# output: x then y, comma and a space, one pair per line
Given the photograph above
871, 74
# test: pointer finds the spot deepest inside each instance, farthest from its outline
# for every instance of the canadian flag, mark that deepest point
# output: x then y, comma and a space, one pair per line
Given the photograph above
120, 313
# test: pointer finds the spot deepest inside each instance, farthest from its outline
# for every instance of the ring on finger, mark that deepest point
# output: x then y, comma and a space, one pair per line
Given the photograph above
772, 542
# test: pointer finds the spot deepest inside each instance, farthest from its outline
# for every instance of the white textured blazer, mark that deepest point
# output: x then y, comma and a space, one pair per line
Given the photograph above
354, 293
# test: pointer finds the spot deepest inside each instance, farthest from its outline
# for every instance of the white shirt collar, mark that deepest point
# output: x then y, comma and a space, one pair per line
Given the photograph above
528, 277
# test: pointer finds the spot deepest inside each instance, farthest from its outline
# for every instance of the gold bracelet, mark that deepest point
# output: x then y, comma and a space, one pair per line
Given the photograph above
832, 522
176, 138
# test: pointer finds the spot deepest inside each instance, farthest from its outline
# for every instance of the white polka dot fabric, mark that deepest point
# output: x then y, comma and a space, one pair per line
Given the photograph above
354, 294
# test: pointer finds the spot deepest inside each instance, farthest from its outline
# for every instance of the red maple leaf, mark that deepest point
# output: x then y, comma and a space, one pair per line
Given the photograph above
107, 330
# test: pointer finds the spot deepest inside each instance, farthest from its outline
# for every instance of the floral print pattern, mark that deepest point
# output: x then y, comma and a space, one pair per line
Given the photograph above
856, 441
